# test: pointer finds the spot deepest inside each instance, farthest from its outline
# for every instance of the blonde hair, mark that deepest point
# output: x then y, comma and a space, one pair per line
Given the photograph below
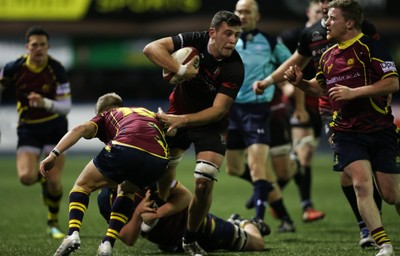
108, 101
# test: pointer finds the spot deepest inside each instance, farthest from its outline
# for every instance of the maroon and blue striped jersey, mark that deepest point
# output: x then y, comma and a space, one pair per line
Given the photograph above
358, 62
134, 127
51, 81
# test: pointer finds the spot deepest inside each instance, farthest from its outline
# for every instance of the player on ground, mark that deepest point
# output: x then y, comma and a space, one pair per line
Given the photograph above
199, 107
164, 223
43, 101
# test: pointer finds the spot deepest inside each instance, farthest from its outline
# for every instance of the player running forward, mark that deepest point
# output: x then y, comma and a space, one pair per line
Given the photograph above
199, 106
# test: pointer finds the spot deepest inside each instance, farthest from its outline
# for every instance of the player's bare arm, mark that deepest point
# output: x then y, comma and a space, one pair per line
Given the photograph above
212, 114
159, 52
278, 75
382, 87
86, 130
295, 76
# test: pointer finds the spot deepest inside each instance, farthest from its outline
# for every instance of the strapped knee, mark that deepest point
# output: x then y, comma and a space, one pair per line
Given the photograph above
206, 170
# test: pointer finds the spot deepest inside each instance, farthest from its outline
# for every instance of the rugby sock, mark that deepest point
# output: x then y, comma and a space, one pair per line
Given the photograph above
246, 174
303, 182
121, 212
260, 195
377, 199
380, 236
282, 183
54, 208
352, 199
280, 210
52, 202
305, 190
78, 203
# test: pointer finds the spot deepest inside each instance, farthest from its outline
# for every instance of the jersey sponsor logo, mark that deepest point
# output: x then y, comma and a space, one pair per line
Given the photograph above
388, 66
316, 36
350, 62
337, 79
320, 51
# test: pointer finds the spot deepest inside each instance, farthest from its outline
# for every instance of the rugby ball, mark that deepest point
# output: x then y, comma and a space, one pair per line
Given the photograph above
182, 56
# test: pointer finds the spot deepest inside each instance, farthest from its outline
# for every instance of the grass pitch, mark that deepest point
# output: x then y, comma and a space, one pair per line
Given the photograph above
23, 216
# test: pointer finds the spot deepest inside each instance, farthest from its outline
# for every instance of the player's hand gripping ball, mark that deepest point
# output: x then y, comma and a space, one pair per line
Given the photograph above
182, 56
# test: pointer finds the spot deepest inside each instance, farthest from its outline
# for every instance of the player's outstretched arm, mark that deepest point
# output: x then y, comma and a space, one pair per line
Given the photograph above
86, 130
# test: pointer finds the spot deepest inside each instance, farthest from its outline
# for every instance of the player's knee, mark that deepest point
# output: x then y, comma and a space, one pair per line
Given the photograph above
232, 171
28, 180
206, 170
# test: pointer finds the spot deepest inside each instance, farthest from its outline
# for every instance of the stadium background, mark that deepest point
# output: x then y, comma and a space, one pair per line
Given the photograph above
100, 43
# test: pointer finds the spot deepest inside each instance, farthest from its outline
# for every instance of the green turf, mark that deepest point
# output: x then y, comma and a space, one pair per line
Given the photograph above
23, 216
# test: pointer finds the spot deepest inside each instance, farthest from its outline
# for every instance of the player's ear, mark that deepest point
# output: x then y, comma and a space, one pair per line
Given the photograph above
212, 32
350, 24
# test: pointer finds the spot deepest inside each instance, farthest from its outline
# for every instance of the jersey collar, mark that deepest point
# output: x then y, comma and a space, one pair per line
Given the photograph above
345, 44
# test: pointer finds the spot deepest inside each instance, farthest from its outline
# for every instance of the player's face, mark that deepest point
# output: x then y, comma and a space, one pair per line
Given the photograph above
37, 47
336, 25
224, 40
323, 4
314, 13
248, 14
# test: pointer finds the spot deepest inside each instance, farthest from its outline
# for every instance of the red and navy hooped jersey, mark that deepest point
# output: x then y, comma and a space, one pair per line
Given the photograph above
313, 43
50, 81
215, 76
358, 62
133, 127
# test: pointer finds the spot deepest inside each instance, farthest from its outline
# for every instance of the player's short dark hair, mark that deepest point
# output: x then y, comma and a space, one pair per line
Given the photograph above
351, 10
225, 16
37, 31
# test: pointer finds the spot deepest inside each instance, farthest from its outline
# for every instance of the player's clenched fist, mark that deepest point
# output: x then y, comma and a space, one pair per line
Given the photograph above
293, 74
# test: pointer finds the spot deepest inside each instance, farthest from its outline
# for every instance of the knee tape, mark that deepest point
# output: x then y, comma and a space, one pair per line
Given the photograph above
310, 140
206, 170
240, 239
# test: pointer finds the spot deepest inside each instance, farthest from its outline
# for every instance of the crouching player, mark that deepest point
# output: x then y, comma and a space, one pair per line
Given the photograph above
163, 223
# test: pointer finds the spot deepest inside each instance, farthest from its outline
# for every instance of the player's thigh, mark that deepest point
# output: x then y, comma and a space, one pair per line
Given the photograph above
27, 164
90, 179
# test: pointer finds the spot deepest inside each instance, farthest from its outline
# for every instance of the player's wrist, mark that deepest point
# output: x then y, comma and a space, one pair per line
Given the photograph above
55, 152
182, 70
146, 227
268, 81
48, 104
